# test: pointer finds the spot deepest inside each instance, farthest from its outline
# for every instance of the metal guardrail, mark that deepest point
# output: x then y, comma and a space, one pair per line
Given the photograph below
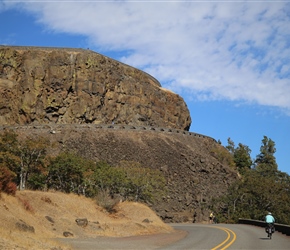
284, 229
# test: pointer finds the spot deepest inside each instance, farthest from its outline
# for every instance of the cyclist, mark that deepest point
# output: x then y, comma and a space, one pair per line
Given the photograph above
211, 216
270, 220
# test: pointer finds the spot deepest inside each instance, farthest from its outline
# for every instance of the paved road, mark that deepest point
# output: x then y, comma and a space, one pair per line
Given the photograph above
228, 236
191, 236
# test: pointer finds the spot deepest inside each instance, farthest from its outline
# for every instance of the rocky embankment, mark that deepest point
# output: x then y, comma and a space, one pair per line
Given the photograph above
66, 94
189, 161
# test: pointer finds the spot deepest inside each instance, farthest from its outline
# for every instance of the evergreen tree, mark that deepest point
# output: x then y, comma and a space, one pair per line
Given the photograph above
231, 146
265, 162
259, 190
242, 158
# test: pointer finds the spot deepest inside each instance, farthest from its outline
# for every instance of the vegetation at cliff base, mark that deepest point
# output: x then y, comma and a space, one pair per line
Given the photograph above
25, 164
262, 187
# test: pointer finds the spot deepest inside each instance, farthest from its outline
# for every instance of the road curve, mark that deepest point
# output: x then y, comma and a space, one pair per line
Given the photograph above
191, 236
228, 236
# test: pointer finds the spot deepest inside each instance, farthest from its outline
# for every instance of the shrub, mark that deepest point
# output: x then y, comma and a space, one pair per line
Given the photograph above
46, 199
142, 183
25, 203
105, 201
6, 181
223, 156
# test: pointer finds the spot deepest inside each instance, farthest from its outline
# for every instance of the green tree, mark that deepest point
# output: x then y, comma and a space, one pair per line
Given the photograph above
242, 158
104, 178
229, 207
127, 180
260, 189
143, 184
66, 173
265, 161
255, 194
231, 146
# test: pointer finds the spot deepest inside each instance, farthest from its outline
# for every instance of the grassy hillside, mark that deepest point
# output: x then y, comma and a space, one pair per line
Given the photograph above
34, 219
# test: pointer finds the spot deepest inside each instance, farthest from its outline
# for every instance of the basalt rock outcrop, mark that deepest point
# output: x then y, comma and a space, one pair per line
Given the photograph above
65, 86
108, 111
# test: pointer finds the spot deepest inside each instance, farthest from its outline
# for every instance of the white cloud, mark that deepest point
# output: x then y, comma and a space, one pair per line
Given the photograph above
219, 50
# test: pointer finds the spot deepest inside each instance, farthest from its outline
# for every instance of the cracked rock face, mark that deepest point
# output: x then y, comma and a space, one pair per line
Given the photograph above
76, 86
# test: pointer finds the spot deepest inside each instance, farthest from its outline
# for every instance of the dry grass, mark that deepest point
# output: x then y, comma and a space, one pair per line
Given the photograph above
53, 213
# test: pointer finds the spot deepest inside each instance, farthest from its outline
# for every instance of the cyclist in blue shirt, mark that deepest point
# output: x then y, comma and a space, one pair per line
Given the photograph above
270, 220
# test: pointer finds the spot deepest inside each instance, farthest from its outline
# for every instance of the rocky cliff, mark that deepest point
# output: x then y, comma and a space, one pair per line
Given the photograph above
64, 86
108, 111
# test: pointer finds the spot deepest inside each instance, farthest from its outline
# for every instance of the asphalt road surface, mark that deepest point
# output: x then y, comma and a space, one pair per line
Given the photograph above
191, 236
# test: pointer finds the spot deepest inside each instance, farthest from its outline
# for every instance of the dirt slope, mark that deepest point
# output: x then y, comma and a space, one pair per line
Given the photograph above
32, 219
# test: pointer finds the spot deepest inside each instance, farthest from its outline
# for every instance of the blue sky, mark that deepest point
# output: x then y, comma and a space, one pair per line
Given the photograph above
229, 60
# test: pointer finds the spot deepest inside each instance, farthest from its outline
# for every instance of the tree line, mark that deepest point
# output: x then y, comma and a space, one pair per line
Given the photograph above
26, 165
261, 187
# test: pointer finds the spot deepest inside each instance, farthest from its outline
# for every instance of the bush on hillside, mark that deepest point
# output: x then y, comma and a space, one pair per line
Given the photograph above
105, 200
6, 181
